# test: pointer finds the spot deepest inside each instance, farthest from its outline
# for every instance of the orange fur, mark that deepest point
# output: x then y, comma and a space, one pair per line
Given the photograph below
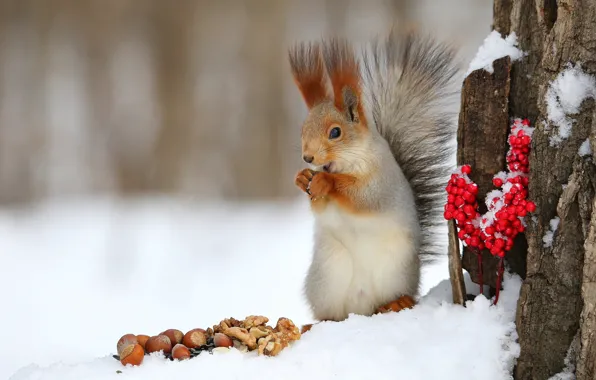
335, 187
403, 302
309, 73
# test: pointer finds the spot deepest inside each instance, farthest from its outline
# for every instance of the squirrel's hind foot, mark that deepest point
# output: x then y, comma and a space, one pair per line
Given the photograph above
403, 302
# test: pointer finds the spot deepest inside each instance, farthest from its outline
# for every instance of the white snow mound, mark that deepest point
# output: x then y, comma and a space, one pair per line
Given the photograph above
77, 277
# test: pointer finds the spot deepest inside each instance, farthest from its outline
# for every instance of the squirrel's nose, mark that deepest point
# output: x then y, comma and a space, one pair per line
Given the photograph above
308, 159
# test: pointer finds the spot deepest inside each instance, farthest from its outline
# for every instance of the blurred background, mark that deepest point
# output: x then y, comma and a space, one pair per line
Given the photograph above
188, 98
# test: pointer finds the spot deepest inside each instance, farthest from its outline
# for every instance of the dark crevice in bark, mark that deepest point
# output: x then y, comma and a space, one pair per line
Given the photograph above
550, 13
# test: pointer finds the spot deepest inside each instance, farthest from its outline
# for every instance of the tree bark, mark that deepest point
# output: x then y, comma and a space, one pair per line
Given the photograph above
558, 296
484, 108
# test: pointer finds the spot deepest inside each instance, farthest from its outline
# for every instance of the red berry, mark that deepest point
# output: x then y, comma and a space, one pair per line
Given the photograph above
466, 169
461, 182
469, 197
448, 215
530, 206
503, 224
469, 210
498, 182
460, 217
472, 188
461, 234
475, 242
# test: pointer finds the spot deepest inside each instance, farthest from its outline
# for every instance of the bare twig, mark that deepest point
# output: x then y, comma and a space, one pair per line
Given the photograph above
456, 275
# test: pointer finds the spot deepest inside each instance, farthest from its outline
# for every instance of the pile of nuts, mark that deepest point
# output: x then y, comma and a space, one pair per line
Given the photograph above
250, 334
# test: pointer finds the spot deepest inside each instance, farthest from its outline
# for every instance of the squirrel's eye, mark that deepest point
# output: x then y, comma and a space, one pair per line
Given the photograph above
334, 133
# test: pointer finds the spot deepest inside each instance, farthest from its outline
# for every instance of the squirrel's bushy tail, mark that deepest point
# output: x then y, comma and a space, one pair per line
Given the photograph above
408, 80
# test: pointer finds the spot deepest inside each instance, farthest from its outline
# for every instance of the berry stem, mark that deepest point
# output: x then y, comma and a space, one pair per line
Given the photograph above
480, 273
500, 271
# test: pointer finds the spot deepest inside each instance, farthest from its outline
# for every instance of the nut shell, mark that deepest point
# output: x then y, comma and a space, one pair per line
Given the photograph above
174, 335
125, 340
222, 340
158, 343
142, 340
195, 338
180, 352
132, 354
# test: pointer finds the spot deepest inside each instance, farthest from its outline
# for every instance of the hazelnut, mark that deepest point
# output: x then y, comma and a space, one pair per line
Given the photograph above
195, 338
174, 335
125, 340
132, 354
222, 340
142, 340
158, 343
180, 352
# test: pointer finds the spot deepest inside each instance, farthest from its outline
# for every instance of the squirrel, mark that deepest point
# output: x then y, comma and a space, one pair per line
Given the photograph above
377, 143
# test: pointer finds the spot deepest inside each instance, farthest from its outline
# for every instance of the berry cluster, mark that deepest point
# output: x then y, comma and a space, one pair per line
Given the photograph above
507, 207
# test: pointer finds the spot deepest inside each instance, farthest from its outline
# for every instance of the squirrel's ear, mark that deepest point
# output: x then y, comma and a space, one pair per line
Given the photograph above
308, 69
344, 73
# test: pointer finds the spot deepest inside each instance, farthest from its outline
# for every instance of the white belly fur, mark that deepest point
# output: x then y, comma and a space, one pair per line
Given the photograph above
360, 263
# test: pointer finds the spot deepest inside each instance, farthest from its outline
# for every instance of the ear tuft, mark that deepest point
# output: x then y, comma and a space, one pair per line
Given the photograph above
344, 73
306, 63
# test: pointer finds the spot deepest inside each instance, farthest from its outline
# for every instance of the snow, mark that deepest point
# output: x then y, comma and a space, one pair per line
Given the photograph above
493, 48
548, 237
76, 276
585, 149
564, 97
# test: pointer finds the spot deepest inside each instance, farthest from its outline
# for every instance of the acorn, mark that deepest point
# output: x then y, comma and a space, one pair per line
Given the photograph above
158, 343
222, 340
195, 338
180, 352
142, 340
132, 354
124, 341
174, 335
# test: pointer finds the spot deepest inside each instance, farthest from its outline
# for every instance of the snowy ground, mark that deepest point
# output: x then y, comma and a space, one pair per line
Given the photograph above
77, 276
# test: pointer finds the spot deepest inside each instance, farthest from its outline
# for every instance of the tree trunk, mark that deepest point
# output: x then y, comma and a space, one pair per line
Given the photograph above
558, 296
484, 108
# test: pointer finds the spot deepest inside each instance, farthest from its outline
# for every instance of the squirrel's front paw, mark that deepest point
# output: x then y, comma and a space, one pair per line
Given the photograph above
320, 185
303, 179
